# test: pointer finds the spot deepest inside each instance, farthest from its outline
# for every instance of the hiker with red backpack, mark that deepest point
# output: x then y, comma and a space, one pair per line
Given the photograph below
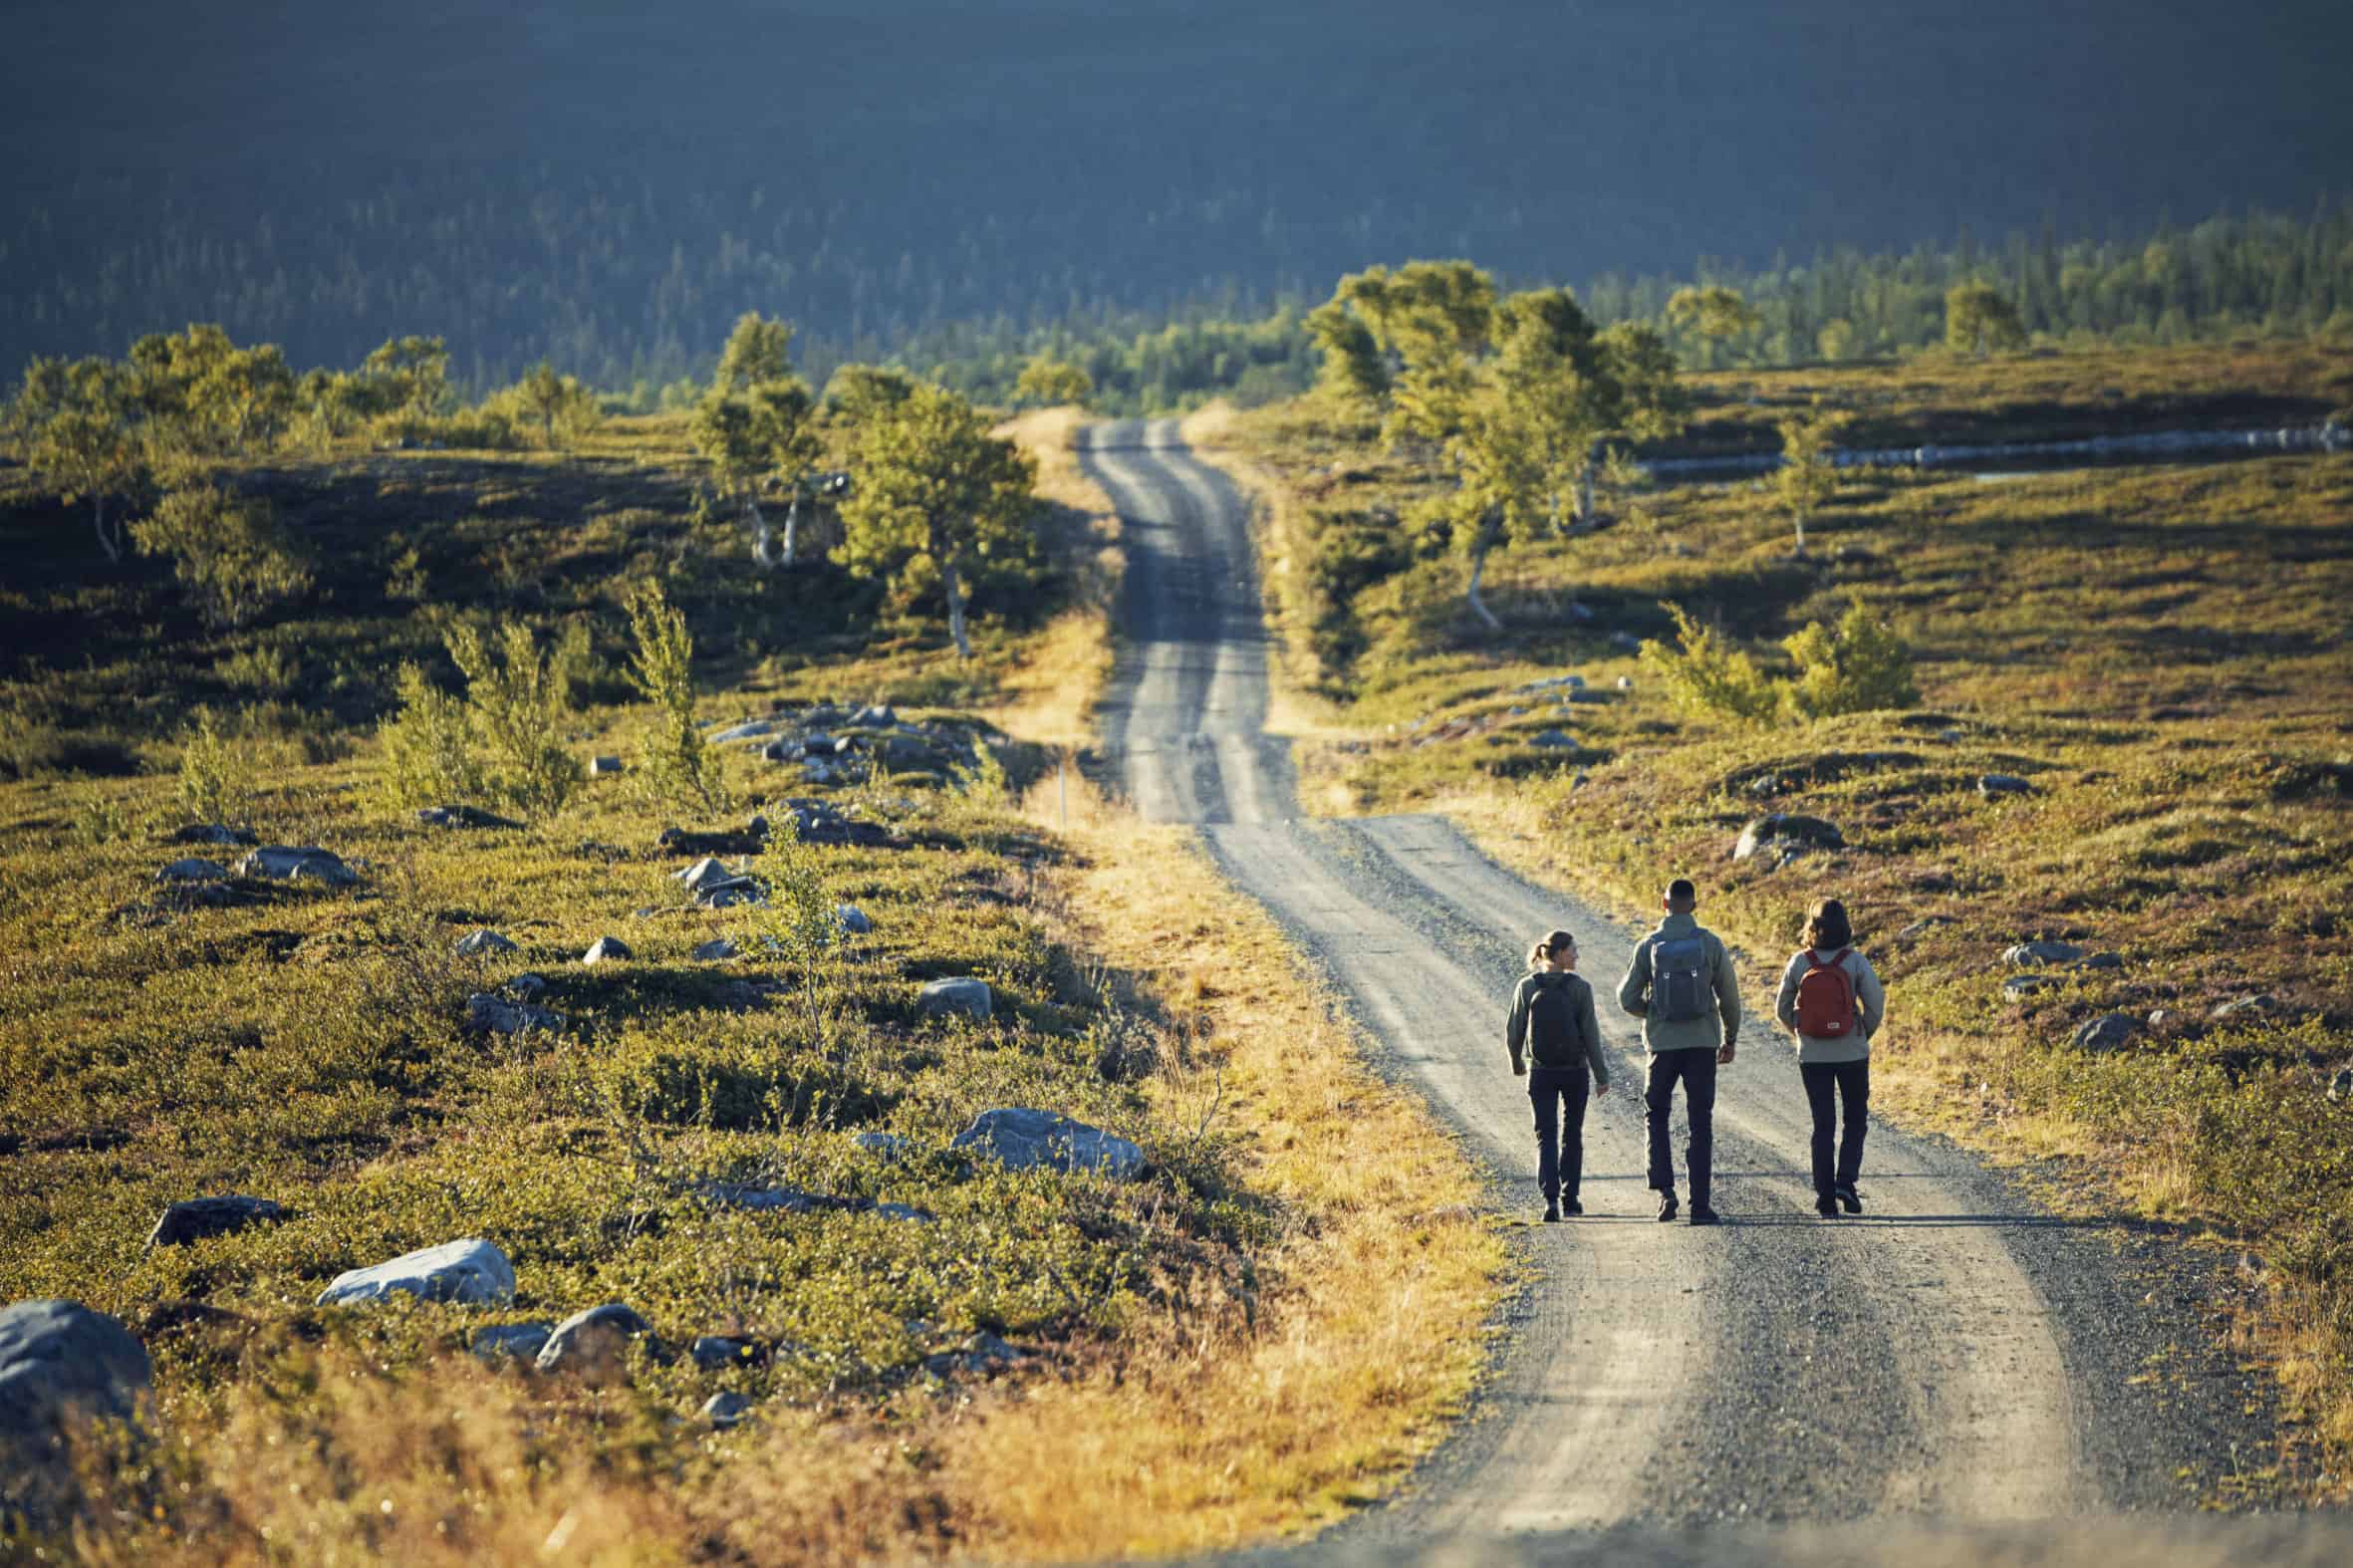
1833, 1002
1552, 1018
1681, 985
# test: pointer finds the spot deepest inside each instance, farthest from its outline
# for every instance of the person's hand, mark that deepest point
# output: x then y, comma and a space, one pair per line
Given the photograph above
1723, 1057
1600, 1089
1519, 1069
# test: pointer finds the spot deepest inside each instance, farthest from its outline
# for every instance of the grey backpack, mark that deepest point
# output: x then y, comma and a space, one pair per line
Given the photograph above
1680, 992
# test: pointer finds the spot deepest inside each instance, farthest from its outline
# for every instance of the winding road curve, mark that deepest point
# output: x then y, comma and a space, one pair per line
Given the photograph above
1951, 1353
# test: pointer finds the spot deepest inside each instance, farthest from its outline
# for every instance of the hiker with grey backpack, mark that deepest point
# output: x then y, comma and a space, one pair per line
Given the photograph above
1552, 1022
1833, 1002
1681, 985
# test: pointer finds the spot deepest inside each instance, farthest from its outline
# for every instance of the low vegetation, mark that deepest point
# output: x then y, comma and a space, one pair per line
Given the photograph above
2121, 729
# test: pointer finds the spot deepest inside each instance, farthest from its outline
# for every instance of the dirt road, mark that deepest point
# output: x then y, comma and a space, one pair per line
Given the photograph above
1951, 1354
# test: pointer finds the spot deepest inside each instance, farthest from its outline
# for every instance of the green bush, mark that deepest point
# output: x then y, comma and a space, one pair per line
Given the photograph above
1706, 674
427, 748
674, 761
231, 554
517, 699
1859, 667
215, 775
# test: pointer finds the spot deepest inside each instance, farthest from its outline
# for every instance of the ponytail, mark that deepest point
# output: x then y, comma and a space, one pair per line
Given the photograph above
1550, 944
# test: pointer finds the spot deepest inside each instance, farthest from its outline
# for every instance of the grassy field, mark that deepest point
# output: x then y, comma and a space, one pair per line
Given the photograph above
1206, 1359
2159, 653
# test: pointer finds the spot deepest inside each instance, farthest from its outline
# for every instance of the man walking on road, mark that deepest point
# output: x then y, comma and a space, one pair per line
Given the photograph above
1680, 987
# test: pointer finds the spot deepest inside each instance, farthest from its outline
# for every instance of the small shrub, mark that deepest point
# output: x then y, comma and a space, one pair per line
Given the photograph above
1861, 667
674, 761
428, 747
799, 916
232, 555
266, 671
1706, 674
516, 698
215, 775
95, 817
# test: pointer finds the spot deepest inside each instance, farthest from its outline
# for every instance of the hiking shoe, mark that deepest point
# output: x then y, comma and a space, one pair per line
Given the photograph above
1666, 1207
1850, 1198
1826, 1206
1552, 1214
1575, 1208
1701, 1214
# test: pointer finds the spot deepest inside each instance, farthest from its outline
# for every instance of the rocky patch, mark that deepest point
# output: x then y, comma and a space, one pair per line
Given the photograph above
470, 1273
1022, 1138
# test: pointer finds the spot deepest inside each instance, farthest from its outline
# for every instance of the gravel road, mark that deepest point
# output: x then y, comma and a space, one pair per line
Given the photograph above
1953, 1354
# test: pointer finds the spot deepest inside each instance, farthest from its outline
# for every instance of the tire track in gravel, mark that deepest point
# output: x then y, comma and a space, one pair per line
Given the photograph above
1926, 1360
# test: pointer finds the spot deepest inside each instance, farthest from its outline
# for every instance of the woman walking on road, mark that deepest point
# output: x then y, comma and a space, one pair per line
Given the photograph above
1833, 1002
1552, 1022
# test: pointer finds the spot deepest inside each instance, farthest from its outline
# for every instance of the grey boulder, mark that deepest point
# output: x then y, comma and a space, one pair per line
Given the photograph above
2108, 1032
2026, 984
853, 920
1021, 1138
475, 943
601, 767
967, 996
471, 1273
463, 816
726, 1408
704, 872
606, 949
2035, 953
511, 1341
2225, 1011
1786, 827
592, 1338
1992, 784
197, 1217
717, 951
61, 1364
717, 1352
752, 729
284, 863
488, 1014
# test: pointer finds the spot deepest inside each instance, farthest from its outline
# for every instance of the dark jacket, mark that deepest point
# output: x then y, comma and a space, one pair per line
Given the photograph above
1515, 1029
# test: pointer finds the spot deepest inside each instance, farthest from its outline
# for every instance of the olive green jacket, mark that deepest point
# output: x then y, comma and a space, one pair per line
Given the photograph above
1695, 1034
1515, 1028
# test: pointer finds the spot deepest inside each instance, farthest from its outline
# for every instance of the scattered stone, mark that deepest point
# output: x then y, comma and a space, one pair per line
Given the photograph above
194, 869
875, 717
978, 1356
716, 1353
2108, 1032
705, 873
2340, 1086
1951, 732
1920, 927
463, 817
905, 1211
606, 949
283, 863
487, 1014
717, 951
604, 767
483, 941
195, 1218
751, 729
1626, 683
526, 987
1019, 1139
2161, 1016
1786, 827
1552, 739
1992, 784
470, 1273
2100, 960
592, 1338
211, 832
727, 894
2035, 953
963, 995
2225, 1011
61, 1365
726, 1408
2024, 984
511, 1341
853, 920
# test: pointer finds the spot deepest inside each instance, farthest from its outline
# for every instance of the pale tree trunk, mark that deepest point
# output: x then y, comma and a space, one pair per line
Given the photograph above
792, 527
763, 540
1585, 496
1478, 567
955, 590
1800, 515
106, 541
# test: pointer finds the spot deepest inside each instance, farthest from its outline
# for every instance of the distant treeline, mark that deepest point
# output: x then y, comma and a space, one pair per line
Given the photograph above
627, 289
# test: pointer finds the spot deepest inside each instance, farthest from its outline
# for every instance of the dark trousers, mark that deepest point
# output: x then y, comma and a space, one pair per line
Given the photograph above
1695, 1071
1559, 1093
1850, 1082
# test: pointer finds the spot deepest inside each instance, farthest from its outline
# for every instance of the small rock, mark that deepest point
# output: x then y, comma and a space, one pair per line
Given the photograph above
463, 816
2023, 984
2159, 1017
476, 943
1626, 683
978, 1356
606, 949
1020, 1139
195, 1218
2108, 1032
716, 1353
717, 951
194, 869
967, 996
602, 767
2225, 1011
1552, 739
1920, 927
2340, 1086
1951, 732
489, 1014
592, 1338
2037, 954
1784, 826
471, 1273
281, 863
726, 1408
875, 717
61, 1365
752, 729
704, 872
511, 1341
1992, 784
853, 920
2100, 960
727, 894
526, 987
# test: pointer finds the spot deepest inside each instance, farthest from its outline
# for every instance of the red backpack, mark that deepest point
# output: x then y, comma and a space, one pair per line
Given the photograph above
1826, 998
